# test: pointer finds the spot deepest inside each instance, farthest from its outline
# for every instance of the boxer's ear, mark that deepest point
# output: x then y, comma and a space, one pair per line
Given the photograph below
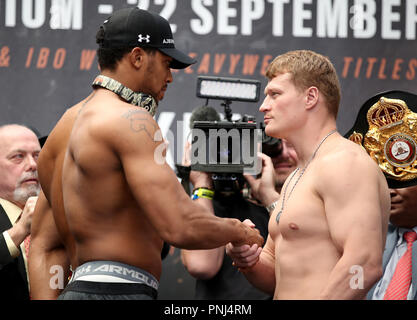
137, 56
311, 97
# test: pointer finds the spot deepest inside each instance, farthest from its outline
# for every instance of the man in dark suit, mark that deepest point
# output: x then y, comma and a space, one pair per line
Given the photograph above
19, 187
401, 238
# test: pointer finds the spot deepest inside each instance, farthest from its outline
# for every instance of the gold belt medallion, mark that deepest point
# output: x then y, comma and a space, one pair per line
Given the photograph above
391, 138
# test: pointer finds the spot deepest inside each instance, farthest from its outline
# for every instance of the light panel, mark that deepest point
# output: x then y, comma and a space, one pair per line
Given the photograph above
228, 89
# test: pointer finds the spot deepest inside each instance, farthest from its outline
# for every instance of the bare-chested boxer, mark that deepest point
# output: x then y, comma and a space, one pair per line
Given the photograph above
327, 232
116, 201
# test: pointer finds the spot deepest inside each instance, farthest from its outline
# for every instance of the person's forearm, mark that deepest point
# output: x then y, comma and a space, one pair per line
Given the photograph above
218, 231
351, 281
203, 231
18, 234
203, 264
262, 275
269, 197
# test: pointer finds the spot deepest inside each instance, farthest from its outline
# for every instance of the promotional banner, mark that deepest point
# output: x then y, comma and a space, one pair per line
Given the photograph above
48, 52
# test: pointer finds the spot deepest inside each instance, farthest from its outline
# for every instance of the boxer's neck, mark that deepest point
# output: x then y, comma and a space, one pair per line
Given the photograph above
135, 98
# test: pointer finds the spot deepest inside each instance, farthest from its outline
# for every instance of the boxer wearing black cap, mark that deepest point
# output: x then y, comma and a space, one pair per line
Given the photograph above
134, 27
114, 202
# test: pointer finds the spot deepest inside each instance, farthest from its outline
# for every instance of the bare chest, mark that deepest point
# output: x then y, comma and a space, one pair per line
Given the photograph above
301, 217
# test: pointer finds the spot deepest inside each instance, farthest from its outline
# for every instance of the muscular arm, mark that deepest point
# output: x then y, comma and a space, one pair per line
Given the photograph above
46, 252
178, 220
356, 209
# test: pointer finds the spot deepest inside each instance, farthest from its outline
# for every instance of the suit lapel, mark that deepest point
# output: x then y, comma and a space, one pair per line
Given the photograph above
391, 240
5, 223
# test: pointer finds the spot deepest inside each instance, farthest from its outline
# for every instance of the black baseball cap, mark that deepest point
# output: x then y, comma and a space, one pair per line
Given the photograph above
140, 28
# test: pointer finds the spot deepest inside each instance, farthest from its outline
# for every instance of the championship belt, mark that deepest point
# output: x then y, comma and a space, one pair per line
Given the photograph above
387, 129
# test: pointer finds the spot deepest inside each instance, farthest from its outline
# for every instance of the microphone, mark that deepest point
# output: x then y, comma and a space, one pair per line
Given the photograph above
204, 113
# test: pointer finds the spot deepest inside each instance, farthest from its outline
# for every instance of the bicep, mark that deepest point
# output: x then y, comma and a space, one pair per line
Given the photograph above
353, 208
152, 182
154, 186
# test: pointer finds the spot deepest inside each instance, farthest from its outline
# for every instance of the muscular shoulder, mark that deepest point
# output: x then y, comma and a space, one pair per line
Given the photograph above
346, 164
349, 182
347, 155
129, 128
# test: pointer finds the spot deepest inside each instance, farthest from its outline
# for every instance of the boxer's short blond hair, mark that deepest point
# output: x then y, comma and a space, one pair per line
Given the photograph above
308, 69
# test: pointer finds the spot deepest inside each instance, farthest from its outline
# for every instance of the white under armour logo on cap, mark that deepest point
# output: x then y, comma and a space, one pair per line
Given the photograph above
141, 38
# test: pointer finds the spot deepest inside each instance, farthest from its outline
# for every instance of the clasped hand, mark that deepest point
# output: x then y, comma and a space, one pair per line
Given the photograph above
244, 256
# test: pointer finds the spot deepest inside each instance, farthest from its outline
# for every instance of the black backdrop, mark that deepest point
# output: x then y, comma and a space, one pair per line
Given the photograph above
47, 58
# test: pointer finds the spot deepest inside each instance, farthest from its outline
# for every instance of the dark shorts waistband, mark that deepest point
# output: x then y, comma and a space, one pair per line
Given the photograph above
97, 290
113, 272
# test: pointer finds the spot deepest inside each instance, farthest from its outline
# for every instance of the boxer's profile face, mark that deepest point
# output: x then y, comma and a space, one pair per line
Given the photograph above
282, 105
19, 151
158, 74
